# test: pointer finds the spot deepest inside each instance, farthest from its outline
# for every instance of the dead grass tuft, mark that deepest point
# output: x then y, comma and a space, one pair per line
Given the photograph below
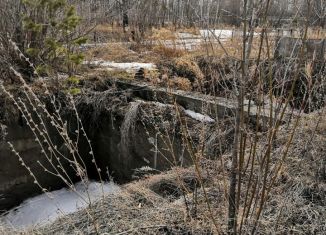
316, 33
107, 33
180, 83
187, 67
163, 34
174, 202
168, 52
116, 52
191, 30
297, 202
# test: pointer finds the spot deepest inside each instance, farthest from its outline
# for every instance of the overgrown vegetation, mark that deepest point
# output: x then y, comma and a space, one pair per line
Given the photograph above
43, 39
245, 136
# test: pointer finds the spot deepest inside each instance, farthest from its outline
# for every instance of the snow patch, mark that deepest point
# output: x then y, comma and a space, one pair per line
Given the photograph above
220, 33
129, 67
162, 105
183, 35
46, 208
199, 117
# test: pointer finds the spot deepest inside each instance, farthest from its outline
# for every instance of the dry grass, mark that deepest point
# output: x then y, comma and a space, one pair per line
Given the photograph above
104, 28
170, 33
312, 33
108, 33
124, 53
163, 34
174, 203
135, 210
232, 48
168, 52
316, 33
298, 201
189, 66
5, 230
192, 30
296, 205
116, 74
116, 52
180, 83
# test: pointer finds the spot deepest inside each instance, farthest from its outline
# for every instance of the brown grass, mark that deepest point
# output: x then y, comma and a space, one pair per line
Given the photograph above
10, 231
189, 65
316, 33
192, 30
108, 33
153, 205
232, 48
135, 210
104, 28
168, 52
162, 34
116, 52
179, 83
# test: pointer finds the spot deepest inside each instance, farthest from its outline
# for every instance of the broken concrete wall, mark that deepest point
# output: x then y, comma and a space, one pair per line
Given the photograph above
16, 183
122, 140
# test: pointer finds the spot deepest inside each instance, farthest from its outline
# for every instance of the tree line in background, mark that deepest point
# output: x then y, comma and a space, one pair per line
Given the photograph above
201, 13
48, 31
39, 36
42, 36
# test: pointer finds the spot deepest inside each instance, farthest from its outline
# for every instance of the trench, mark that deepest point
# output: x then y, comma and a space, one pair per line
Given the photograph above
123, 121
124, 136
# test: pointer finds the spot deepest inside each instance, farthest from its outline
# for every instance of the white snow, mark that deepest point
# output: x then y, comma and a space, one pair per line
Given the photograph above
46, 208
162, 105
220, 33
182, 35
188, 41
129, 67
184, 40
199, 117
208, 33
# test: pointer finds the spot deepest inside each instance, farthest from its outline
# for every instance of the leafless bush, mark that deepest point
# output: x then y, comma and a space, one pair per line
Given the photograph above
47, 124
272, 157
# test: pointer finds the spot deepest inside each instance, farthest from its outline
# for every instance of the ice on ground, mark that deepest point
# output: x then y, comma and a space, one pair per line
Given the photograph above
129, 67
199, 117
46, 208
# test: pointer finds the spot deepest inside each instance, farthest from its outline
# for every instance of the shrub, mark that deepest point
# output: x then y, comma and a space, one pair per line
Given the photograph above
45, 31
